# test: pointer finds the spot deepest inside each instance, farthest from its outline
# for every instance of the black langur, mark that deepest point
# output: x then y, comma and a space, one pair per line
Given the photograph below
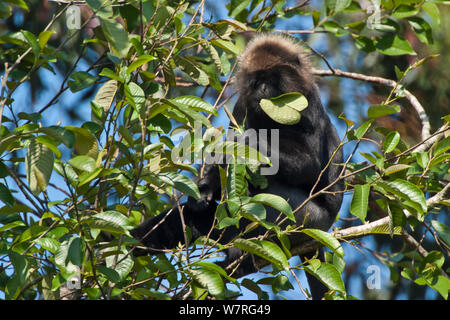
270, 65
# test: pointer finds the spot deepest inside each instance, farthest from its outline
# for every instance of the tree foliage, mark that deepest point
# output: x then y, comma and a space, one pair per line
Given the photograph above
157, 70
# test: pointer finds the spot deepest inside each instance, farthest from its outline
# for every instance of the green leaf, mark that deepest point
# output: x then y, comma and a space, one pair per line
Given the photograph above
117, 36
442, 146
12, 225
210, 280
5, 10
213, 54
364, 43
398, 73
111, 274
237, 6
75, 253
254, 287
278, 283
111, 221
294, 100
256, 211
396, 168
441, 285
29, 116
215, 268
20, 3
339, 263
285, 109
32, 41
86, 143
137, 96
240, 151
152, 294
393, 45
391, 141
192, 69
335, 28
380, 110
127, 136
264, 249
101, 8
422, 29
181, 183
20, 265
433, 10
361, 131
60, 134
410, 191
62, 253
103, 99
6, 196
360, 201
3, 170
195, 103
81, 80
342, 4
87, 177
49, 244
39, 165
31, 233
43, 38
223, 219
237, 184
328, 275
404, 11
442, 230
326, 239
123, 263
422, 159
276, 202
227, 46
106, 72
50, 143
192, 114
143, 59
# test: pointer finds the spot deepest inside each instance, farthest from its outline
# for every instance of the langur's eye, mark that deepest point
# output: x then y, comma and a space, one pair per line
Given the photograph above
254, 83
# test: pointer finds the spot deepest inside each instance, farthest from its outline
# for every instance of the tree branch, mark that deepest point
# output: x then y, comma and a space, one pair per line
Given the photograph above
361, 231
386, 82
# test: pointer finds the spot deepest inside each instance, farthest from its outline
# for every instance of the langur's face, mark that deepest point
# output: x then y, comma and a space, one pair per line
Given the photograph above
265, 84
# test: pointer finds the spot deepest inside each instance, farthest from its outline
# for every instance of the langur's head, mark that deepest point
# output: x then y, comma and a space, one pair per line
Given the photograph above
273, 64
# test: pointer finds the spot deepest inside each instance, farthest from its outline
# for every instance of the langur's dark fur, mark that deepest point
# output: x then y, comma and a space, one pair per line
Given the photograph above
269, 66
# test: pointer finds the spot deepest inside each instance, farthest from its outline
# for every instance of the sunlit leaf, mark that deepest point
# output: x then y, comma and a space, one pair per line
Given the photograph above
326, 239
80, 80
275, 202
210, 280
328, 275
39, 165
6, 196
394, 45
264, 249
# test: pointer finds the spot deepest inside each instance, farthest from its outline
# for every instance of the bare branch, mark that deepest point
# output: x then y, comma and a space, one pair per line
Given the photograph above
386, 82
